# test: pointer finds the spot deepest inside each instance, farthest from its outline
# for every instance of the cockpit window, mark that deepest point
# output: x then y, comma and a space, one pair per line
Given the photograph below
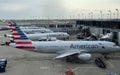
114, 45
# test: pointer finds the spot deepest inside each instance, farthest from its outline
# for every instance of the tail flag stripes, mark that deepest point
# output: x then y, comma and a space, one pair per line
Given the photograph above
19, 37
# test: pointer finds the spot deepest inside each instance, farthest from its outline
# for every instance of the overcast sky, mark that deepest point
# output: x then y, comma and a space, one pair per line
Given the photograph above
25, 9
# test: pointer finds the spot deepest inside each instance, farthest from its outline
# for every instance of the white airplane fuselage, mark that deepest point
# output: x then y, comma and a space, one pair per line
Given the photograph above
37, 30
58, 35
84, 46
38, 36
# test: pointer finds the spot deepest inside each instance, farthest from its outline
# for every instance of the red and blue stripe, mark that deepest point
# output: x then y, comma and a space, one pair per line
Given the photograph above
21, 40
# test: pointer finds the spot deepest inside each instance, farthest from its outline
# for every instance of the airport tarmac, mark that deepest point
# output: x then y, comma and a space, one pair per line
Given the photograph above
21, 62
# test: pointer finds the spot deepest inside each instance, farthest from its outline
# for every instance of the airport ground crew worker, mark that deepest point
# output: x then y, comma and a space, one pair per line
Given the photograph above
69, 72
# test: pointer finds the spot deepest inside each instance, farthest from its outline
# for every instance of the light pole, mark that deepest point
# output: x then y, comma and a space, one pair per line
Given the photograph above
110, 13
114, 16
82, 15
88, 15
91, 15
117, 13
110, 19
78, 16
101, 14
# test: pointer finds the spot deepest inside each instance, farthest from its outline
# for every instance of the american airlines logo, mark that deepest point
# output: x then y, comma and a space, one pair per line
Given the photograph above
87, 46
101, 45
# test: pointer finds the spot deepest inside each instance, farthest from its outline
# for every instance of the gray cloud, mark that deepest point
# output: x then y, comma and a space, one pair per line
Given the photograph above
51, 8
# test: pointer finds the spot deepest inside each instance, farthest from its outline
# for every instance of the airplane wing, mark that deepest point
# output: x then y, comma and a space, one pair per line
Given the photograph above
68, 53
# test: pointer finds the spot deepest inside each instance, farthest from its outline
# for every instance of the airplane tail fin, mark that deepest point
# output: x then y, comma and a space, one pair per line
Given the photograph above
19, 37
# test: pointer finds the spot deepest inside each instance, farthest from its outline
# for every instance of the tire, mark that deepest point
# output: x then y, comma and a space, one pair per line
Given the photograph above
100, 63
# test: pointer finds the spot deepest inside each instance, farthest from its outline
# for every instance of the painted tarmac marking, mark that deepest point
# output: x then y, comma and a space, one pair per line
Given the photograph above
44, 68
83, 67
113, 61
110, 64
86, 70
59, 65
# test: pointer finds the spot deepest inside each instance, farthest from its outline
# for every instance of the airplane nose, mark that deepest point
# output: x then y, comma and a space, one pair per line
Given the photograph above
118, 48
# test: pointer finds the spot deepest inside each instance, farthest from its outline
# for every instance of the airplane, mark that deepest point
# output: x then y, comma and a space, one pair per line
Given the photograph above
107, 37
42, 30
82, 50
39, 36
33, 29
4, 28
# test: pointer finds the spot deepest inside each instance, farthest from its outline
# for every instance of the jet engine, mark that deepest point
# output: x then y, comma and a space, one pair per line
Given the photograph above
85, 56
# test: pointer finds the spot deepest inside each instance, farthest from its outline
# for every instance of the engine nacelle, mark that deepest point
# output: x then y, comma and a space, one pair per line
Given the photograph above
85, 56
